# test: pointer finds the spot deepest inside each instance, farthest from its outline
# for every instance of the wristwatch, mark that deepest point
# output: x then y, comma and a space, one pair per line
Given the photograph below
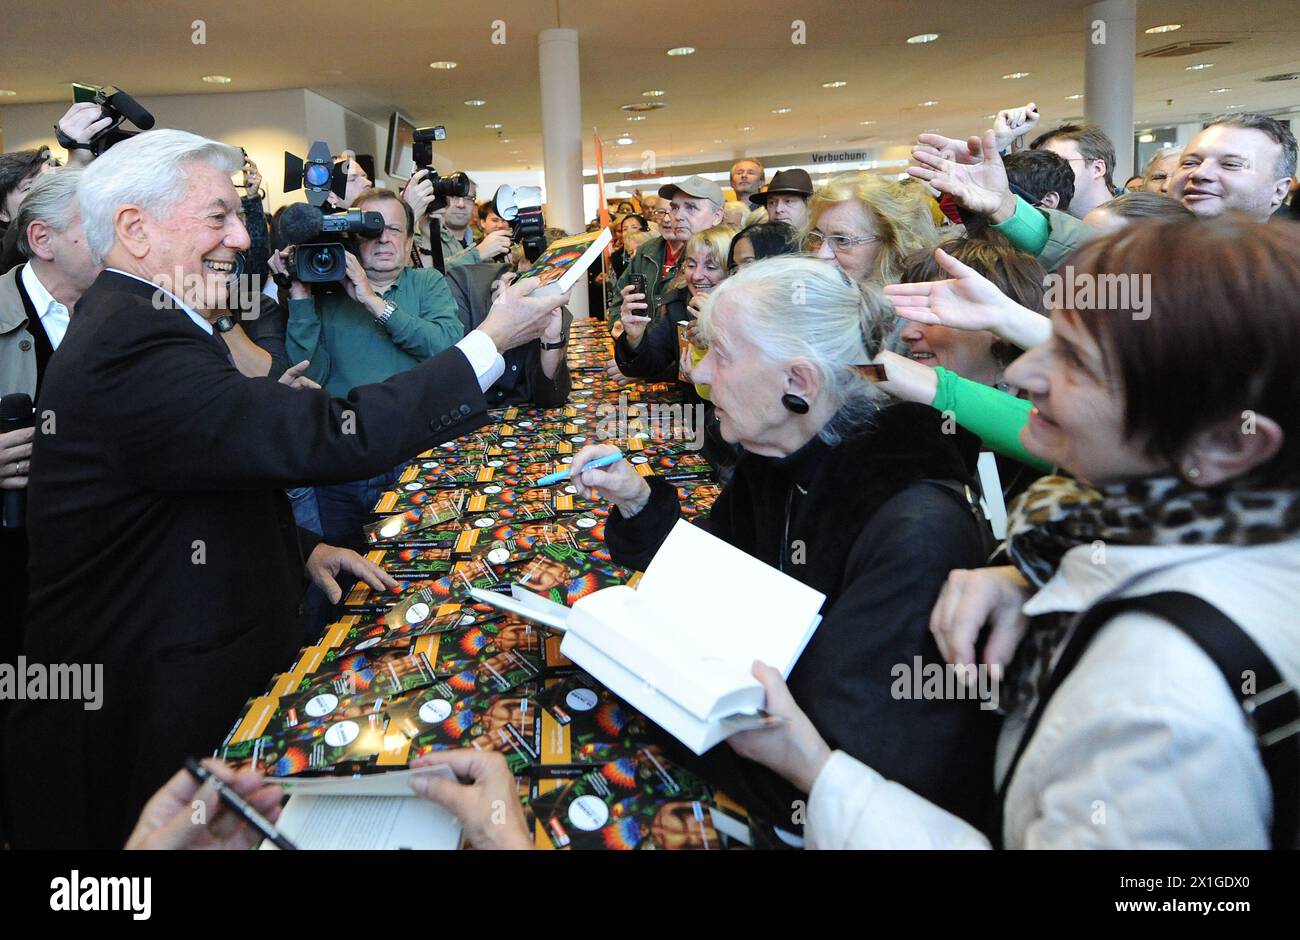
560, 345
389, 307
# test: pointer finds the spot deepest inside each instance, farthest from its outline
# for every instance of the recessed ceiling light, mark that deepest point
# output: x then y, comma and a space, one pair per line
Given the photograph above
653, 93
1015, 75
746, 128
682, 50
921, 38
475, 102
1073, 97
505, 140
1233, 107
637, 117
718, 140
865, 123
1199, 66
442, 65
834, 84
493, 127
217, 79
1219, 91
7, 93
1167, 28
927, 104
624, 141
780, 110
643, 106
1146, 138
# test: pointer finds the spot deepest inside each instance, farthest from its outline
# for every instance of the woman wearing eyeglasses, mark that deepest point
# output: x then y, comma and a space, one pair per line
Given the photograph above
868, 226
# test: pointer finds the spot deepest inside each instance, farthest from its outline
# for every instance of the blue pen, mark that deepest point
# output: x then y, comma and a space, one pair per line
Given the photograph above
559, 475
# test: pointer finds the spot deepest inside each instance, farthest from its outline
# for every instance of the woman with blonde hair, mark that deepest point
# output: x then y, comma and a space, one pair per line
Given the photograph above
868, 225
648, 348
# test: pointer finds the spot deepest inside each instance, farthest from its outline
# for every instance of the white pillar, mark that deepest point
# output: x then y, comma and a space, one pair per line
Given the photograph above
557, 54
1109, 64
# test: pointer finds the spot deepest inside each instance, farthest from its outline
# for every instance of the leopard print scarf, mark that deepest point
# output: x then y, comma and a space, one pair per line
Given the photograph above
1057, 513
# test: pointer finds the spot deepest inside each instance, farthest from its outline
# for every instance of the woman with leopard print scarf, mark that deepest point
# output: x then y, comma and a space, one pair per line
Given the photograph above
1180, 426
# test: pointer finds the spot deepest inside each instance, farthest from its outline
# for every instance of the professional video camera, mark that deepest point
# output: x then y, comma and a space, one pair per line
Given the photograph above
319, 241
522, 207
115, 104
454, 184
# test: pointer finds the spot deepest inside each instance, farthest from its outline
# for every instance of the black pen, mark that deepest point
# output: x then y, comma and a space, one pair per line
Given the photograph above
241, 807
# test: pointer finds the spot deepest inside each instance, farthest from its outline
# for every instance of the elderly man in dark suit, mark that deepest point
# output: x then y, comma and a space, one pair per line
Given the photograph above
162, 545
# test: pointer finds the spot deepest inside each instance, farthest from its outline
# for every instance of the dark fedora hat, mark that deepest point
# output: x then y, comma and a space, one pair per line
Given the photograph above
796, 182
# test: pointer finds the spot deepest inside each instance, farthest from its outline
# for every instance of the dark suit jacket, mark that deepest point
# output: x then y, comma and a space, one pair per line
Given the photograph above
163, 549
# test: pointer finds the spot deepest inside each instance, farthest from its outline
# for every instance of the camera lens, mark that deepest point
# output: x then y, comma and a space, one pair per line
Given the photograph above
321, 261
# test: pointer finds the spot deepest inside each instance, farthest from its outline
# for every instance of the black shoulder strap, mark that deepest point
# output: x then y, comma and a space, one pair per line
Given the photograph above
1272, 707
965, 494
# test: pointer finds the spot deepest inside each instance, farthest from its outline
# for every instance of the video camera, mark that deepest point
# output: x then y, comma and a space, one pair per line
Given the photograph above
455, 184
115, 104
522, 208
319, 241
319, 175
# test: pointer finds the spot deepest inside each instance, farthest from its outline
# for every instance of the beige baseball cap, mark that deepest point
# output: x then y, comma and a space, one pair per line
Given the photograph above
696, 186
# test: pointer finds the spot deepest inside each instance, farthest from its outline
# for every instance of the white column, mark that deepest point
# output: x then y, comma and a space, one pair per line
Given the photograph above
1109, 64
557, 54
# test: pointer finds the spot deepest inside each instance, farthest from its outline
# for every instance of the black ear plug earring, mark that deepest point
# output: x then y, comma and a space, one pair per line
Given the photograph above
794, 403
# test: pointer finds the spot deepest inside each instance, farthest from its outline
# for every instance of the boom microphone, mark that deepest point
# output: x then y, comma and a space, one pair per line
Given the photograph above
131, 109
299, 224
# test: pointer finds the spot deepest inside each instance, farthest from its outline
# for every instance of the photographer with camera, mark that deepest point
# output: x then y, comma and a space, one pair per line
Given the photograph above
454, 223
390, 318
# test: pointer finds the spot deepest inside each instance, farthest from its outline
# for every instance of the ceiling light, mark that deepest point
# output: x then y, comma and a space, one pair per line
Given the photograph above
493, 127
653, 93
718, 140
442, 65
475, 102
1219, 91
7, 93
865, 123
623, 141
927, 104
834, 84
780, 110
217, 79
1199, 66
637, 117
1146, 138
1167, 28
746, 128
921, 38
682, 50
1015, 75
1073, 97
643, 106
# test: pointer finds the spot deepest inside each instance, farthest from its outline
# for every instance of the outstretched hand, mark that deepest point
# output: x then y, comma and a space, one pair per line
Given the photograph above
978, 181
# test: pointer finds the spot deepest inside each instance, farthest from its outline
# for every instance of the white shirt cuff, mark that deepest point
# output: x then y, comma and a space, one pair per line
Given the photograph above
483, 357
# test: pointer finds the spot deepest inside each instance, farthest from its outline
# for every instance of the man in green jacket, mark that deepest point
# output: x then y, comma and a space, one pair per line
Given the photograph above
390, 318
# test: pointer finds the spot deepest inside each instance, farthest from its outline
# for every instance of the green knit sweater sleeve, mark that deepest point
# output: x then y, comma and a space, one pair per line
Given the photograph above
993, 416
1027, 230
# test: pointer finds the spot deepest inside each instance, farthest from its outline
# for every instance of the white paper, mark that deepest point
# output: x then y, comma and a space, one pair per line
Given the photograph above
367, 822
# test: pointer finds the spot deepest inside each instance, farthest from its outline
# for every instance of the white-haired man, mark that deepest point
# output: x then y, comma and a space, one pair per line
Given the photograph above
162, 544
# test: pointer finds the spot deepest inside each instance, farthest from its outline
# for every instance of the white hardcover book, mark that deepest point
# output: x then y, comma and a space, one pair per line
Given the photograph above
680, 648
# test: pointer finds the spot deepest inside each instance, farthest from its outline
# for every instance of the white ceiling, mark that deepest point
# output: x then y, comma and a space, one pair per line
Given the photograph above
374, 57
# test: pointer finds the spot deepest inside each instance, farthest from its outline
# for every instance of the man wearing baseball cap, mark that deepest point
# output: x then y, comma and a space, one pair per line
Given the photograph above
786, 199
695, 204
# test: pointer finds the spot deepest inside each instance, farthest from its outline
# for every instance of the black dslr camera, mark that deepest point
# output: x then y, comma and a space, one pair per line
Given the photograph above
455, 184
115, 104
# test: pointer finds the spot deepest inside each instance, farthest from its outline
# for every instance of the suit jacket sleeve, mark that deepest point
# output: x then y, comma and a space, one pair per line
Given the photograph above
186, 419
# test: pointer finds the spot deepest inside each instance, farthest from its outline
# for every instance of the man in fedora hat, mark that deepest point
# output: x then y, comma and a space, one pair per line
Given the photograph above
786, 199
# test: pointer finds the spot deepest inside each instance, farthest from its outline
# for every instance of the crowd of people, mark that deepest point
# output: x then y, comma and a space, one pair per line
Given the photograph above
1008, 417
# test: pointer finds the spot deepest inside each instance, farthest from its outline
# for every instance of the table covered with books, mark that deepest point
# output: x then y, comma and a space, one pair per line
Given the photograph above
427, 667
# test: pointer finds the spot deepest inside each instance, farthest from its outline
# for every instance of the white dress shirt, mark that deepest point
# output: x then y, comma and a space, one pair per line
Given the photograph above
53, 315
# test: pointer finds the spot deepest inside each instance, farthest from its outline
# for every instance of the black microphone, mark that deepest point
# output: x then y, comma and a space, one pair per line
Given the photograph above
299, 223
130, 109
15, 414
